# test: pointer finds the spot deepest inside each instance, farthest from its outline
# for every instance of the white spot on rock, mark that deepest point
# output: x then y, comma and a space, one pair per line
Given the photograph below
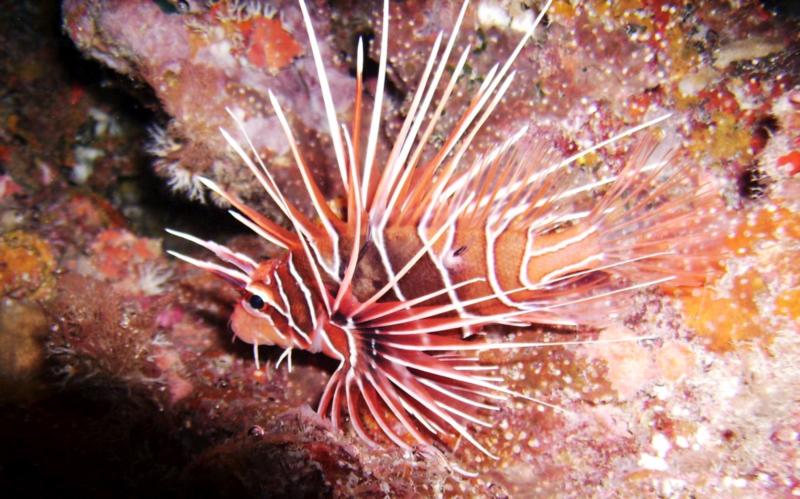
653, 463
660, 444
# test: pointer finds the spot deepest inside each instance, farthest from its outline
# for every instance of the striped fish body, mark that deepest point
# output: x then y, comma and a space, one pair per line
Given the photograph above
425, 254
556, 274
423, 279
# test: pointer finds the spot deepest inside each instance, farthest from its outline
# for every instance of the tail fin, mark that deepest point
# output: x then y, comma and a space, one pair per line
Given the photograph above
656, 223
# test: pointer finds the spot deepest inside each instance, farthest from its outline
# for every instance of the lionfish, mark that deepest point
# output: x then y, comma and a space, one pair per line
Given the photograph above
425, 254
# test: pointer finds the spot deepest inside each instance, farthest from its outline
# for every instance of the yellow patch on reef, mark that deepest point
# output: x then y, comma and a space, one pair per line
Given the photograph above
561, 9
768, 224
26, 266
725, 139
788, 304
588, 159
735, 316
724, 321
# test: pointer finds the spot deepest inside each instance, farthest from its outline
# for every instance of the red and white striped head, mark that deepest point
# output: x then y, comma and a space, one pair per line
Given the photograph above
254, 317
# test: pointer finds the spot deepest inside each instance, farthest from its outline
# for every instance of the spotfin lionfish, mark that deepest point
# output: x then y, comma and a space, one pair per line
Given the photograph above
399, 287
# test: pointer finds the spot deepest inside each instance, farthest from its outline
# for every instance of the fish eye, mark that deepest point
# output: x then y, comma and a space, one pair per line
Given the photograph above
256, 302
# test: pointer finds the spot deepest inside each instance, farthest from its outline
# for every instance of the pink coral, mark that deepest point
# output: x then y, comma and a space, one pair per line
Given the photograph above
201, 64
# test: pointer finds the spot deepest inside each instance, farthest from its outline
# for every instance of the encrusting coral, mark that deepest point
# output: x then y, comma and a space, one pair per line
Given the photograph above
112, 347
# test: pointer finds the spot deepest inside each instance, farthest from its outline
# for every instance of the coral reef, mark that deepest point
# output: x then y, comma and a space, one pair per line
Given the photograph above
201, 60
117, 369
